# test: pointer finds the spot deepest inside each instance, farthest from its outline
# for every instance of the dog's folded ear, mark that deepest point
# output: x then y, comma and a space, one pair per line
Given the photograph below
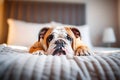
76, 32
42, 33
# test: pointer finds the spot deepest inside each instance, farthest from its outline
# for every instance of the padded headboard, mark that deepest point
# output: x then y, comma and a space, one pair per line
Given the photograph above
42, 12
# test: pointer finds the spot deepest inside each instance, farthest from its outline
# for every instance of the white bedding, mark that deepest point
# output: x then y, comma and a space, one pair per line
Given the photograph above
96, 50
18, 28
4, 48
105, 50
17, 64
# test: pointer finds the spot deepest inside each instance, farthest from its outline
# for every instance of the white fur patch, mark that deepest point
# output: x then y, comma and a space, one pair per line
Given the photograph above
59, 32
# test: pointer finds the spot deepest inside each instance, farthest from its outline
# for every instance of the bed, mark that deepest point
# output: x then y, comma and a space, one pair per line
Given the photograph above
17, 64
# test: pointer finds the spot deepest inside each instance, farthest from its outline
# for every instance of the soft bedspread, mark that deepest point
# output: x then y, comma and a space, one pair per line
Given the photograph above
19, 65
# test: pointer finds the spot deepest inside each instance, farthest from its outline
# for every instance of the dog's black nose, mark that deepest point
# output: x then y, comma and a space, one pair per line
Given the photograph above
60, 41
60, 44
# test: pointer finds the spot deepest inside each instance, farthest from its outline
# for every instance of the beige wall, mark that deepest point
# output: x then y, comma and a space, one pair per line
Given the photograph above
1, 19
101, 14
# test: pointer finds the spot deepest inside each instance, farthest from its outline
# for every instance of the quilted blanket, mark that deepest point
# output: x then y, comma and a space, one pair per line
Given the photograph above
19, 65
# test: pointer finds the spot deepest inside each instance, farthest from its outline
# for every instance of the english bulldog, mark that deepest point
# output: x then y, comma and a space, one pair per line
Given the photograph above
59, 41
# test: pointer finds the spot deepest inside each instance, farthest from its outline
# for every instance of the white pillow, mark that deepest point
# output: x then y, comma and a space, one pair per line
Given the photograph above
85, 33
23, 33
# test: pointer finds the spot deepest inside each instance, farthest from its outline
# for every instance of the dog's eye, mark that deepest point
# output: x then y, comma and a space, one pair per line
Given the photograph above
50, 38
69, 38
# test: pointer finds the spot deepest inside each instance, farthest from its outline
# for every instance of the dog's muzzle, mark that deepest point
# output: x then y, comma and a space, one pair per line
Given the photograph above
59, 48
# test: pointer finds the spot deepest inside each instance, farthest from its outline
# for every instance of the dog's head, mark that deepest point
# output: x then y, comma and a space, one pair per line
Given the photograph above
58, 40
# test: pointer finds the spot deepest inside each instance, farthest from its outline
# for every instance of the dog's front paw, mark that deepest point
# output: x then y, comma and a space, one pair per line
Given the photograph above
82, 51
39, 52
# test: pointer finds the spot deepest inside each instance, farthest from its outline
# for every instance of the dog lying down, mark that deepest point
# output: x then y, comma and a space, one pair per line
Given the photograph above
60, 41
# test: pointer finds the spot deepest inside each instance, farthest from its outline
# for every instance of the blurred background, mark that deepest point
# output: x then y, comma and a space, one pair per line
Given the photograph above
100, 15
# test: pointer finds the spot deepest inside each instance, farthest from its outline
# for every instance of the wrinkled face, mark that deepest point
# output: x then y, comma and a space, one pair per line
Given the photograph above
57, 40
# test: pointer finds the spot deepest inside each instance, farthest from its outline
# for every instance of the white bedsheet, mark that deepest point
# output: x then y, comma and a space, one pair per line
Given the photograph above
96, 50
105, 50
17, 66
